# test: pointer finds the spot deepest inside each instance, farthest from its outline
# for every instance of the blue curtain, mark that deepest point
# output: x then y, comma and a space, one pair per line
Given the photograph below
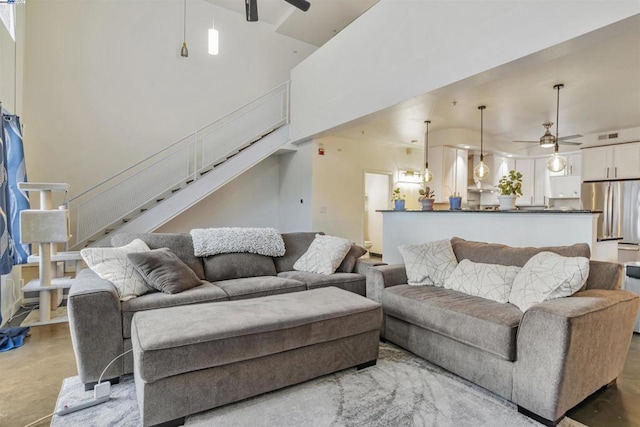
17, 172
12, 200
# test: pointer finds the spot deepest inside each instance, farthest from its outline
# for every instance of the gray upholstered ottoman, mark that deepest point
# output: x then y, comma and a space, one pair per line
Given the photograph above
192, 358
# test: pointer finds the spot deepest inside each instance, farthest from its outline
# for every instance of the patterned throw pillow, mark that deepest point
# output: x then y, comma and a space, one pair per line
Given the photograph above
324, 255
490, 281
428, 263
113, 265
548, 276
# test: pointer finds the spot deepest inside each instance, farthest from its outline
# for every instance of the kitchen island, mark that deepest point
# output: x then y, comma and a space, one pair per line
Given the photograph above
514, 228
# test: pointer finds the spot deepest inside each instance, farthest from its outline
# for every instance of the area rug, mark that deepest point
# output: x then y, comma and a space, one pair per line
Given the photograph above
401, 390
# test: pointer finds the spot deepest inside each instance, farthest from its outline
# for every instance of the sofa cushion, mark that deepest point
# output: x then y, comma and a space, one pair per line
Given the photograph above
163, 271
255, 287
206, 292
495, 253
548, 276
481, 323
491, 281
180, 244
348, 264
113, 265
324, 256
295, 245
237, 266
352, 282
428, 263
604, 275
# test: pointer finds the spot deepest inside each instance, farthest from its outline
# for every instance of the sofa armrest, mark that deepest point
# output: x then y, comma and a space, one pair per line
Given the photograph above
362, 265
384, 276
95, 322
568, 348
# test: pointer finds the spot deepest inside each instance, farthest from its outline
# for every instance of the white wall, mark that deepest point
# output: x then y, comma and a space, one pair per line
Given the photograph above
250, 200
338, 182
402, 48
105, 85
296, 189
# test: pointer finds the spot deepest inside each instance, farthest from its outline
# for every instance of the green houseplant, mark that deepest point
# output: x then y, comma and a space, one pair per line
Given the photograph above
398, 199
426, 198
510, 187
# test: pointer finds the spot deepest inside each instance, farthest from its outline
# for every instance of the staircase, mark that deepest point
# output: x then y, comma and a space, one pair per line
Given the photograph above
160, 187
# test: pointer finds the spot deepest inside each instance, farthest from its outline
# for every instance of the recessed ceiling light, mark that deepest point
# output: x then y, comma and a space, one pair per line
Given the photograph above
467, 146
509, 155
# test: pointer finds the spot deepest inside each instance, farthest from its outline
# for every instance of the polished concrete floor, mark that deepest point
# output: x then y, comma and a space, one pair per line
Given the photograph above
31, 376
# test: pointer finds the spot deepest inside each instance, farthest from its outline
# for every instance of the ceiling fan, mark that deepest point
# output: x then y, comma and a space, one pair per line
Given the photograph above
251, 7
548, 140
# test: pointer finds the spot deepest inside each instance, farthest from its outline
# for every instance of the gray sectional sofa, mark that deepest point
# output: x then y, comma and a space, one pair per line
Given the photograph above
101, 324
545, 360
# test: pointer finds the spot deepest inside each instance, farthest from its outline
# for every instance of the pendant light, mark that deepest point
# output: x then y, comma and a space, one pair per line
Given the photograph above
557, 163
481, 171
428, 176
184, 52
213, 40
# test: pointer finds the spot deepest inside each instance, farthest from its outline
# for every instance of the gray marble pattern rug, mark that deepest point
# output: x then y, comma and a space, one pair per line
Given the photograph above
401, 390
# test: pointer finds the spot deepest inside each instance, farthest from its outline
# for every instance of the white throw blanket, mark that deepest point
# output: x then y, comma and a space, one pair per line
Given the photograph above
212, 241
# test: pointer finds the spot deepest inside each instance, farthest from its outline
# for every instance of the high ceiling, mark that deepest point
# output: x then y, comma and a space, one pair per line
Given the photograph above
600, 71
323, 20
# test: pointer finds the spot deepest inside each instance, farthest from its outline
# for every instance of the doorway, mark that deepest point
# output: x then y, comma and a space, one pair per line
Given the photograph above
377, 194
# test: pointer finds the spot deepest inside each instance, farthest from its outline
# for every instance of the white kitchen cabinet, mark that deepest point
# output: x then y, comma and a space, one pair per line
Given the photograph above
527, 169
499, 166
541, 190
620, 161
574, 165
449, 168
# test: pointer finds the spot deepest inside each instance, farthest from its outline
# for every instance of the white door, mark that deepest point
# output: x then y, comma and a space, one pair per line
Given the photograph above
377, 193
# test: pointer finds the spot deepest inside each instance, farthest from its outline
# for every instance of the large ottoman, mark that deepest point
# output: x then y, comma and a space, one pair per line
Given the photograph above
192, 358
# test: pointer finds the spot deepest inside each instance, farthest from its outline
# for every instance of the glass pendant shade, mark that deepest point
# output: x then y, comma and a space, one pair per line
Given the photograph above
213, 41
556, 163
428, 176
184, 52
481, 171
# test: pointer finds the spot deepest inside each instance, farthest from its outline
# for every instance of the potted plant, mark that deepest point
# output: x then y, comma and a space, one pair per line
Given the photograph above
510, 187
426, 198
398, 200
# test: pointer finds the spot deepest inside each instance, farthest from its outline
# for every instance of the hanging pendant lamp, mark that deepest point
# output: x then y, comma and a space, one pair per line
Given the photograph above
557, 163
184, 52
428, 176
482, 170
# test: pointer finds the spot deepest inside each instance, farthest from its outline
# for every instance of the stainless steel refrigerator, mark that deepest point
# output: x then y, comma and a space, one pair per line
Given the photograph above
619, 202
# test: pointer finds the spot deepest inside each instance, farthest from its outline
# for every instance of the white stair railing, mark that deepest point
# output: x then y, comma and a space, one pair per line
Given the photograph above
127, 194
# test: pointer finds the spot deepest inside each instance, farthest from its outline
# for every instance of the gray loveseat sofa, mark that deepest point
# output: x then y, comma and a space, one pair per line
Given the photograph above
545, 360
101, 324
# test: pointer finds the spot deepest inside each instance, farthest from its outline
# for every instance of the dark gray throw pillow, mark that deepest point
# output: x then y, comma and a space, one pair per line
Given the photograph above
164, 271
350, 260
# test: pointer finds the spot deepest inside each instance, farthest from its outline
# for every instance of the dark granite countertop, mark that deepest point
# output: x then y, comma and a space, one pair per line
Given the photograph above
515, 211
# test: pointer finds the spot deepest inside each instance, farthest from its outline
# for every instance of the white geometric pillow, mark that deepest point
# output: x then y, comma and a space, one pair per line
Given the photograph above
548, 276
490, 281
113, 265
428, 263
324, 255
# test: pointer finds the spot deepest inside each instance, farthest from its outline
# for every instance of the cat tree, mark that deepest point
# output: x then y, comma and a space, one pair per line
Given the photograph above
47, 227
